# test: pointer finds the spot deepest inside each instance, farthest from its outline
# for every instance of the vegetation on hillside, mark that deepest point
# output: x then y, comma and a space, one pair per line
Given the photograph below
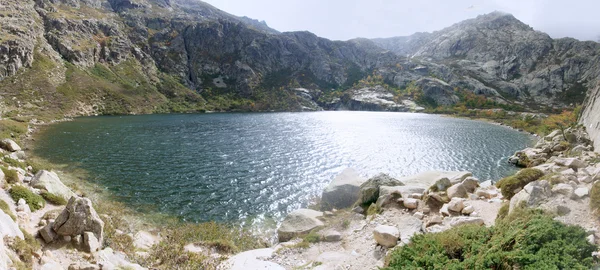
525, 239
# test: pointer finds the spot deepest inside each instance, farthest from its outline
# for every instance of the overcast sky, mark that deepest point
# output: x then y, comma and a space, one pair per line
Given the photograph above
346, 19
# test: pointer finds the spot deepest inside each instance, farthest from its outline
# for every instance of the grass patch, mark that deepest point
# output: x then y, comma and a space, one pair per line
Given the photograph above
169, 253
509, 185
11, 176
14, 163
53, 199
12, 129
526, 239
595, 197
6, 209
34, 201
25, 248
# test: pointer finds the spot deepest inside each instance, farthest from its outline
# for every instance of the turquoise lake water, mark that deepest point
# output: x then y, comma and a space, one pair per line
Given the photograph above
260, 166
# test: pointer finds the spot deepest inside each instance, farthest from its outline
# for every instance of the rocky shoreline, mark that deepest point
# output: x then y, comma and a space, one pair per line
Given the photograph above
382, 213
355, 226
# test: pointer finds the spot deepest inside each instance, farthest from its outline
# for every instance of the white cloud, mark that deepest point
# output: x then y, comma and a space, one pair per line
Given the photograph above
346, 19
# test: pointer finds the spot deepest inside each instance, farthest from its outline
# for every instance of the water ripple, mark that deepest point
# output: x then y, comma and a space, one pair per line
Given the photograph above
261, 166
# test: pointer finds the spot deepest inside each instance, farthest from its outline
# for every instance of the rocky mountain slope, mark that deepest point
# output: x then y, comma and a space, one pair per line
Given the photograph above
73, 57
497, 54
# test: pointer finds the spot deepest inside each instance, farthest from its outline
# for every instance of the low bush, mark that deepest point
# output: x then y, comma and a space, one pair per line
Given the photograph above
526, 239
34, 201
509, 185
11, 176
53, 199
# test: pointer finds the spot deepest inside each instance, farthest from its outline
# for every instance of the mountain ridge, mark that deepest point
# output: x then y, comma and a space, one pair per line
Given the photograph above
142, 56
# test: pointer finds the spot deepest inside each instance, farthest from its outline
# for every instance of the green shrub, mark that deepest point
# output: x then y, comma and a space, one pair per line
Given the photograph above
11, 176
34, 201
6, 209
53, 199
510, 184
526, 239
595, 196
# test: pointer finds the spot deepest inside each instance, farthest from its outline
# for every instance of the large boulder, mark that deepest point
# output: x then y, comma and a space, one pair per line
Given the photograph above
572, 163
298, 223
50, 182
528, 157
78, 217
110, 259
462, 220
429, 178
8, 227
369, 191
532, 195
10, 145
386, 236
343, 191
252, 259
408, 226
457, 191
404, 191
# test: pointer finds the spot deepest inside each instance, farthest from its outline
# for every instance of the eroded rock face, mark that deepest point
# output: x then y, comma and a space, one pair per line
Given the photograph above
19, 34
298, 223
78, 217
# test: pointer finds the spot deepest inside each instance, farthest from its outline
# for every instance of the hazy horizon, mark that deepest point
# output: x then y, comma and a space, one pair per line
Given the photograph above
343, 20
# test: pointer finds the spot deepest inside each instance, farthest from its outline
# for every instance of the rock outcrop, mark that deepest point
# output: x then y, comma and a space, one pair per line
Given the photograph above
78, 219
497, 55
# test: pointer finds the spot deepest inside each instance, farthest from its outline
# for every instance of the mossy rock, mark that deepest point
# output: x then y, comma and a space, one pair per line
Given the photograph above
510, 185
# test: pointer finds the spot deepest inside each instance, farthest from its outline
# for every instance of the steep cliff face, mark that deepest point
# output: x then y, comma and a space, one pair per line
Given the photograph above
590, 116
